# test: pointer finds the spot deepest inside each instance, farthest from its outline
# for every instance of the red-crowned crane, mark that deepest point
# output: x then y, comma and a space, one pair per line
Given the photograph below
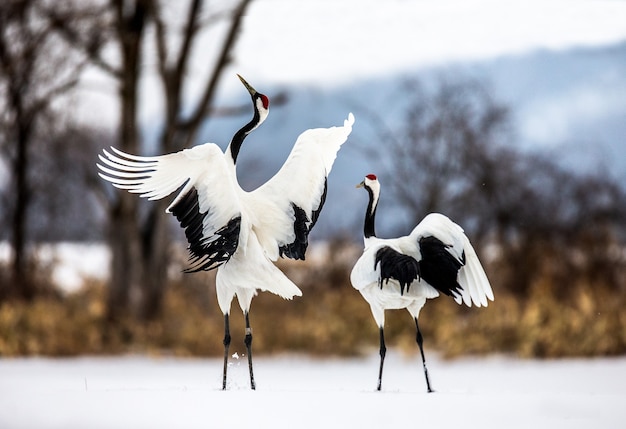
240, 233
436, 257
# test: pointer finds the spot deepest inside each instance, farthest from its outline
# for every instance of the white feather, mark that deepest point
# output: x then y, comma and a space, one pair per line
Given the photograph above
300, 181
247, 271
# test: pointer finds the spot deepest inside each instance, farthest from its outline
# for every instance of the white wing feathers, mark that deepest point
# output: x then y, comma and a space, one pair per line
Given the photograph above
472, 277
301, 182
444, 229
308, 164
155, 177
202, 167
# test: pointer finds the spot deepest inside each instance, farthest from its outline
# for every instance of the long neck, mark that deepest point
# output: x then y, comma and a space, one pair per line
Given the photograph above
370, 215
240, 136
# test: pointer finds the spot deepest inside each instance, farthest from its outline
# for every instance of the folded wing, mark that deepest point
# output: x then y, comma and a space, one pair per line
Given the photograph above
447, 256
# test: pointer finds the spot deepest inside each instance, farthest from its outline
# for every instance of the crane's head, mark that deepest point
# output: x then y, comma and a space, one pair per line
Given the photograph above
372, 186
370, 183
260, 101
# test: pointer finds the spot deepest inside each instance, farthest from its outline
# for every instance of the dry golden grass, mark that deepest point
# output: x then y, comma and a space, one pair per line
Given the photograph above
331, 318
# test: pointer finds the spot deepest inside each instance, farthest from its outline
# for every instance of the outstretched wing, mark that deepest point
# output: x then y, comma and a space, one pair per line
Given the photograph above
448, 262
207, 206
289, 204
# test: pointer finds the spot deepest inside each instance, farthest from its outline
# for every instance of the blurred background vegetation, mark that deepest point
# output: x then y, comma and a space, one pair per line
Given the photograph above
552, 240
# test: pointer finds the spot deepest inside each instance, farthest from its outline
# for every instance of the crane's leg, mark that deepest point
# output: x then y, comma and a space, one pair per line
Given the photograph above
248, 342
420, 342
226, 346
383, 352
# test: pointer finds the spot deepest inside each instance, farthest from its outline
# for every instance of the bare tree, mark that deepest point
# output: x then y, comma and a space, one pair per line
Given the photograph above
36, 68
139, 242
428, 159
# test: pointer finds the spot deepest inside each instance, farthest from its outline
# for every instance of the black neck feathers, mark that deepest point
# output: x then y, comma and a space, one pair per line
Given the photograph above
370, 215
240, 136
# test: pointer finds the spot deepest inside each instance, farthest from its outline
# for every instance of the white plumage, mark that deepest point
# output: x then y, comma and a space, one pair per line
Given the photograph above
236, 231
436, 257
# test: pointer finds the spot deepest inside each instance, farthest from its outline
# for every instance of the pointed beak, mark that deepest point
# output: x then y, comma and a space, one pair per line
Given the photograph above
360, 185
251, 90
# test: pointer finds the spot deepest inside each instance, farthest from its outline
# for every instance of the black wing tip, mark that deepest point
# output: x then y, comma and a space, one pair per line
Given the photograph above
398, 266
301, 227
439, 267
205, 253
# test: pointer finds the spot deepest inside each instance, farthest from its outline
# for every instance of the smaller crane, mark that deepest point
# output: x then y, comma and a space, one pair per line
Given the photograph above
436, 257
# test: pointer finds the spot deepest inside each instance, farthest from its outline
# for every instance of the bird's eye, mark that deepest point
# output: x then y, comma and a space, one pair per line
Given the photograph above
265, 101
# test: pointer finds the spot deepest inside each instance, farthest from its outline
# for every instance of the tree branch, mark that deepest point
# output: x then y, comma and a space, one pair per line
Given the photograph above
190, 30
160, 40
223, 60
65, 23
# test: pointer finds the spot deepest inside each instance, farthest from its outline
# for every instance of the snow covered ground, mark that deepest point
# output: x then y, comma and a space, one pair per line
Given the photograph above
301, 392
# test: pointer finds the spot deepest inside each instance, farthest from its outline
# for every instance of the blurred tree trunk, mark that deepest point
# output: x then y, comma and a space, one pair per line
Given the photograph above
139, 244
19, 275
32, 75
124, 235
16, 67
178, 133
123, 23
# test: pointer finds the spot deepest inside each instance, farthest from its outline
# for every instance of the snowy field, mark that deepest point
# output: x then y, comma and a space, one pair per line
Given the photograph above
300, 392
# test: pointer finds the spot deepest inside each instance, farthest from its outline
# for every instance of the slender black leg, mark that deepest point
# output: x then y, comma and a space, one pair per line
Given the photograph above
226, 346
420, 342
383, 352
248, 342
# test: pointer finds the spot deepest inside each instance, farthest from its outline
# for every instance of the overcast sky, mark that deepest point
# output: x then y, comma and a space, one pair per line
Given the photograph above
334, 42
327, 42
